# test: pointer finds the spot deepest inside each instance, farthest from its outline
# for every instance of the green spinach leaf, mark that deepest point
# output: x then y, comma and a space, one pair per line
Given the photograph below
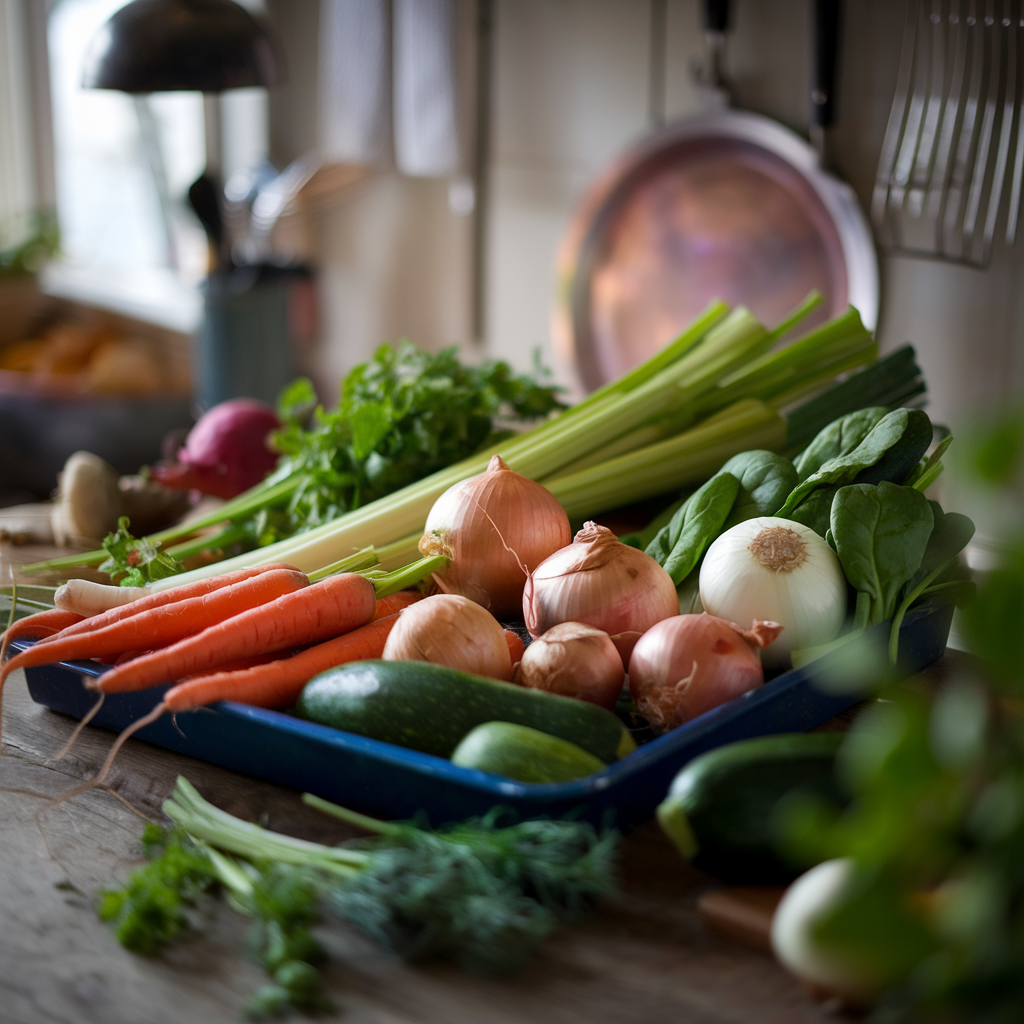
881, 534
839, 438
896, 442
815, 510
765, 480
679, 546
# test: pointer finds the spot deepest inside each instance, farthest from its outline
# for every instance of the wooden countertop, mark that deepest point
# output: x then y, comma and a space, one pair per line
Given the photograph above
643, 956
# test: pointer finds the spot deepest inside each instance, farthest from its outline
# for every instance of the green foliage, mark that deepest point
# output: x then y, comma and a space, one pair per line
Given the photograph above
765, 481
284, 902
152, 908
39, 241
839, 438
889, 451
401, 416
680, 544
880, 534
134, 562
936, 828
482, 896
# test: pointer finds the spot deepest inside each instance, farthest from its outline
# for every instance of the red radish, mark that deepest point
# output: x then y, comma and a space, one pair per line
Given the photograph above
689, 664
226, 452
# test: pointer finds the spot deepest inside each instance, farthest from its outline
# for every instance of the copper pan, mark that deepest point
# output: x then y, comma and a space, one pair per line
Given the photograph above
727, 205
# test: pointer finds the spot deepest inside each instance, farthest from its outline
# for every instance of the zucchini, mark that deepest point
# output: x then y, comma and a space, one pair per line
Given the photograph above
431, 708
720, 808
525, 754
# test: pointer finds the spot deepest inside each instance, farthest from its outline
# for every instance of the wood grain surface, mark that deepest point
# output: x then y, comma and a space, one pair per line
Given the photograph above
644, 956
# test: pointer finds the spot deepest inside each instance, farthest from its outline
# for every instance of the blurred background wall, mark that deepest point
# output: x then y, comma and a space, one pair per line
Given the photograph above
571, 83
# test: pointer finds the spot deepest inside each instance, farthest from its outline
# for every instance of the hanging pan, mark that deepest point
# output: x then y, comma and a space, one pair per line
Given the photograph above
727, 205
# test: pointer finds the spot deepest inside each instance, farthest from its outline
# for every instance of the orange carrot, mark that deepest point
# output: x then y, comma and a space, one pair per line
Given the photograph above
322, 610
516, 647
279, 683
165, 597
42, 624
394, 603
161, 626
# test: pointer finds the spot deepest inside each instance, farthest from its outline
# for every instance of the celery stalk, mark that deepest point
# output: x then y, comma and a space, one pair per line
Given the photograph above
669, 465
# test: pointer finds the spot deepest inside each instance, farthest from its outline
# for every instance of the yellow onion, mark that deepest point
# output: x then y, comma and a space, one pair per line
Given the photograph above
495, 528
599, 581
574, 660
450, 630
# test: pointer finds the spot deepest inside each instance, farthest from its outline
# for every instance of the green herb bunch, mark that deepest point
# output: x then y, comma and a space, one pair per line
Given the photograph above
401, 416
483, 896
158, 901
134, 562
936, 830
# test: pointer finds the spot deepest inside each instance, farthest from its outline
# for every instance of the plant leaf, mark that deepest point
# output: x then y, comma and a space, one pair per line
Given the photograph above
839, 438
881, 533
765, 480
695, 526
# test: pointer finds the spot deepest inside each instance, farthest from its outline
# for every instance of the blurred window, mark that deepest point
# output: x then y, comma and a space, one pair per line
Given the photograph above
123, 167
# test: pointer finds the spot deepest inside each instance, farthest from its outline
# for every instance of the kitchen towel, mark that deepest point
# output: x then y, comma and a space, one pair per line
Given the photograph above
426, 87
355, 82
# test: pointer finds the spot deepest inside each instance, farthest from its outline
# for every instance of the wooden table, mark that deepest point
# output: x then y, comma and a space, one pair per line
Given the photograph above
644, 956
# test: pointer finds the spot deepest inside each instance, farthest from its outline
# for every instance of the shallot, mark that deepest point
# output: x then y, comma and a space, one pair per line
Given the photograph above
599, 581
689, 664
574, 660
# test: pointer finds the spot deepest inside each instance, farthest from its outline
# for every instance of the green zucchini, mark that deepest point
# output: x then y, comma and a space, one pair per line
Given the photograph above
525, 754
720, 808
431, 708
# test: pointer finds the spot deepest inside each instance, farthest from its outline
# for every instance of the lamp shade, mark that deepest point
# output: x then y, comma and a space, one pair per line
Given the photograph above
172, 45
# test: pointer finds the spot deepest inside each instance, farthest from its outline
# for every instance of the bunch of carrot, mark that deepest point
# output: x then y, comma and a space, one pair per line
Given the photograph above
256, 635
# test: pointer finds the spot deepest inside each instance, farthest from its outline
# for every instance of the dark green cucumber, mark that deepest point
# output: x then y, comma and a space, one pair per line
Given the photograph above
719, 810
525, 754
431, 708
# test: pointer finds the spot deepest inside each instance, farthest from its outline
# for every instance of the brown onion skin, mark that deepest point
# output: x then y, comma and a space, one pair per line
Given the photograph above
690, 664
573, 659
496, 528
599, 581
453, 631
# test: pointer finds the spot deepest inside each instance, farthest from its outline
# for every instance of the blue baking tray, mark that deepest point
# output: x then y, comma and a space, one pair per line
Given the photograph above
394, 782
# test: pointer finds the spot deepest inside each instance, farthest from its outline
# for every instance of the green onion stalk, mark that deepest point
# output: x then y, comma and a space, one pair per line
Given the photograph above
717, 390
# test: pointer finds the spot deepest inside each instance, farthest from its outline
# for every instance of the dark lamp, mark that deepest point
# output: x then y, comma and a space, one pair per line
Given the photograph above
181, 45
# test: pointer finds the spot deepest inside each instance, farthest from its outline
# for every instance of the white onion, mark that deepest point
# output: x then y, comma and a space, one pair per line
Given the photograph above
450, 630
778, 570
600, 581
805, 902
574, 660
496, 528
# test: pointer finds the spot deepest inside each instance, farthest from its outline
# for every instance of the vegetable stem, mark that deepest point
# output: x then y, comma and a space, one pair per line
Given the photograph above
363, 821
